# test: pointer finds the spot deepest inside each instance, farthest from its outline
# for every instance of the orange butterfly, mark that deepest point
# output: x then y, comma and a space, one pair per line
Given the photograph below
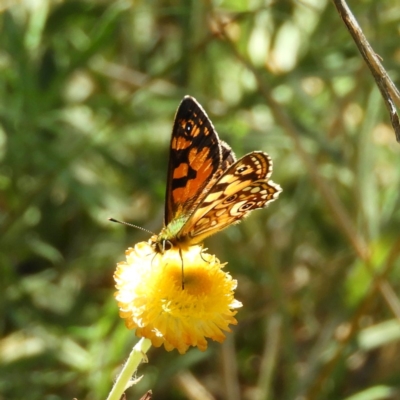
207, 189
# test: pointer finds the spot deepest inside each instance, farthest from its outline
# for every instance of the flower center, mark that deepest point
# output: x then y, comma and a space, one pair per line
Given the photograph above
197, 280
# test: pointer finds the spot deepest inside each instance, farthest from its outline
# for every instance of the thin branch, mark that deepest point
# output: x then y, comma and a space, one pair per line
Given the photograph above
342, 217
389, 91
337, 208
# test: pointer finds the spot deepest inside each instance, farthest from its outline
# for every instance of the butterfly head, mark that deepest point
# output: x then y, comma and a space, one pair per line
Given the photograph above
160, 245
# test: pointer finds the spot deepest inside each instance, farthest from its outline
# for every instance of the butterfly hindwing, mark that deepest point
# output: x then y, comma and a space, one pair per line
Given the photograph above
243, 187
228, 157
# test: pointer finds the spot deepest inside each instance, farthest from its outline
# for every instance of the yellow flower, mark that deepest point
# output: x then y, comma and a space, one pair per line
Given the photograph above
152, 301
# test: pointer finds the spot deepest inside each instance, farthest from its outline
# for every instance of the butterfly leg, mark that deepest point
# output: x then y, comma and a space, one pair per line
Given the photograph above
155, 255
201, 255
183, 276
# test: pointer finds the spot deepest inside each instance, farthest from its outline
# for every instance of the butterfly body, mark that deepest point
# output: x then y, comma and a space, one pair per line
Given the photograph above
207, 188
170, 232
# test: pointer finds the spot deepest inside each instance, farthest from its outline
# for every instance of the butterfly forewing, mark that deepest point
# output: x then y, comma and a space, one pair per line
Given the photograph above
195, 157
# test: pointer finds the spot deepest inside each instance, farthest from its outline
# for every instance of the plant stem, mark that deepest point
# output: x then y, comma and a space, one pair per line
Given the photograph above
132, 363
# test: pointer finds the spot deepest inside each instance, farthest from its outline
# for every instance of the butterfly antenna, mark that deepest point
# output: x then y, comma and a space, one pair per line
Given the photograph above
131, 225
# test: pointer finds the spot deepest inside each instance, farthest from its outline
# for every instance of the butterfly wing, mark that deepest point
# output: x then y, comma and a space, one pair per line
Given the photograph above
196, 159
228, 157
243, 187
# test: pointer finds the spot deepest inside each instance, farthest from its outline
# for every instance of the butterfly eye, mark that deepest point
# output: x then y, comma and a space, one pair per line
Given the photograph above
167, 245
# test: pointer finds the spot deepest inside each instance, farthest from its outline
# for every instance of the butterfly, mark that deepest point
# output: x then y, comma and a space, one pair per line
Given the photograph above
207, 188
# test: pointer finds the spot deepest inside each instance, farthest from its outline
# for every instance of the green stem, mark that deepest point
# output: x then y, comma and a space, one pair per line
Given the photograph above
132, 363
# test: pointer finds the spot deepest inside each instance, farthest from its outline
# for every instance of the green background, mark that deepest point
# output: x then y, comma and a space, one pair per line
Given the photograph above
88, 92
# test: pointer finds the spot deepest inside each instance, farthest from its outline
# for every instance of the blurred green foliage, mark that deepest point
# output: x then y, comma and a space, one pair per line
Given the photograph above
88, 93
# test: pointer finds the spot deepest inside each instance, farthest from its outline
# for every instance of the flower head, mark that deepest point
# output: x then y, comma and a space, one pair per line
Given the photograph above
152, 300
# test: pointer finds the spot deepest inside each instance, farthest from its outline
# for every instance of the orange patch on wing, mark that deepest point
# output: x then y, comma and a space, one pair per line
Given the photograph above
204, 170
179, 143
181, 171
198, 159
196, 131
179, 195
202, 164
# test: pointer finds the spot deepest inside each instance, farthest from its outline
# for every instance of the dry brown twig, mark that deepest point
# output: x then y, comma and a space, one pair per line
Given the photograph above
337, 208
389, 91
